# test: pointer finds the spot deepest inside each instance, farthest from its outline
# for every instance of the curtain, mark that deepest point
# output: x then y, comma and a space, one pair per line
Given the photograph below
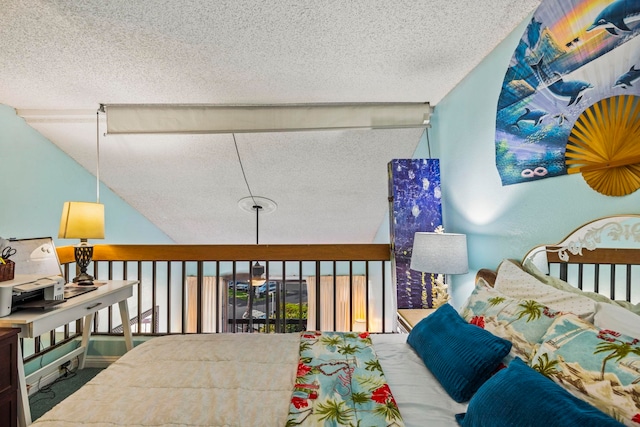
208, 304
347, 303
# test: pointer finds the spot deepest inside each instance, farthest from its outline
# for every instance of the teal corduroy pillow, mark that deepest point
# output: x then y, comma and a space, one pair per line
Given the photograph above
520, 396
460, 355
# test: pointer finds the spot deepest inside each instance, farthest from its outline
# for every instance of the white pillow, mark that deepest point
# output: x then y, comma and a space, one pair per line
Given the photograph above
517, 283
557, 283
617, 319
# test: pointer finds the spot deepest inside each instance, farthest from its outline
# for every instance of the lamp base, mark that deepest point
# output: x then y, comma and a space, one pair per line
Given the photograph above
439, 293
83, 279
83, 253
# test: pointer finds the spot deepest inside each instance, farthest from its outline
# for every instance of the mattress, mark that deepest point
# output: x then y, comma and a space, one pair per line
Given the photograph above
420, 397
232, 379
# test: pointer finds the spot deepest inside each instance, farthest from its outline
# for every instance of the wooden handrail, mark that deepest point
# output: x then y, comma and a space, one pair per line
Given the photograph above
179, 252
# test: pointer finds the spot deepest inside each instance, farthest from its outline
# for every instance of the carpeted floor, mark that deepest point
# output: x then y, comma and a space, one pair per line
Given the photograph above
51, 395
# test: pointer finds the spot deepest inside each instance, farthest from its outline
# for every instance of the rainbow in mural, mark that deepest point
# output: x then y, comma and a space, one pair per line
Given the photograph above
573, 54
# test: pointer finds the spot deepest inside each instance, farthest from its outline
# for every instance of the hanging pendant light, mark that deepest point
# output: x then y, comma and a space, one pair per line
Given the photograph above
257, 204
257, 270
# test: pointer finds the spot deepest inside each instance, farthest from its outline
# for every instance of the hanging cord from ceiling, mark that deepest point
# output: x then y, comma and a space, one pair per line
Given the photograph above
256, 206
98, 156
426, 132
244, 175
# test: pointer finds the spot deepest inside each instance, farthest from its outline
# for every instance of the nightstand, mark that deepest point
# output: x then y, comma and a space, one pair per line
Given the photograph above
409, 317
9, 377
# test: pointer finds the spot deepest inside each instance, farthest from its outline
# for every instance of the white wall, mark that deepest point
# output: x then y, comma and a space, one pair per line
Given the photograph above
38, 177
501, 222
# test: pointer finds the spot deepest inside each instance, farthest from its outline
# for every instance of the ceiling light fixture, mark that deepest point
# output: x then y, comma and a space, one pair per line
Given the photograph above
251, 204
257, 270
258, 205
207, 118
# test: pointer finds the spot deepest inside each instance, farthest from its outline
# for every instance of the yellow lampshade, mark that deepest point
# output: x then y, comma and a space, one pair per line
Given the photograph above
82, 220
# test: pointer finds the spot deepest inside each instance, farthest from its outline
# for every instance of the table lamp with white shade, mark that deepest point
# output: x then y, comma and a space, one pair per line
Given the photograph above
441, 254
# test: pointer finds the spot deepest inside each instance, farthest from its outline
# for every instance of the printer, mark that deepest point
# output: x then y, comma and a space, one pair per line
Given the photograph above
30, 291
38, 281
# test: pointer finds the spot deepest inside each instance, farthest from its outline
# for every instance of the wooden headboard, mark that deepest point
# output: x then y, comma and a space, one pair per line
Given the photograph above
602, 256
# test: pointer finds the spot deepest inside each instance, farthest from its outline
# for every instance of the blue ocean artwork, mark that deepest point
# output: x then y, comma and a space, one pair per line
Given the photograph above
415, 205
572, 54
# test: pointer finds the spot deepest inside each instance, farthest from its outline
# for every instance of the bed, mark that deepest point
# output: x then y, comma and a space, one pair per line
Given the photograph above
513, 354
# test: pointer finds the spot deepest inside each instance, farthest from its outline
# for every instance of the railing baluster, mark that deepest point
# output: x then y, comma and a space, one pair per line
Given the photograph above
281, 302
138, 324
199, 298
612, 288
217, 297
366, 295
220, 304
384, 297
235, 298
351, 319
335, 293
300, 325
628, 284
169, 302
183, 302
154, 282
318, 302
110, 309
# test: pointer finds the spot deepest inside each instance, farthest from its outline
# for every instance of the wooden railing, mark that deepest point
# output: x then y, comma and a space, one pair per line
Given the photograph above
199, 288
175, 252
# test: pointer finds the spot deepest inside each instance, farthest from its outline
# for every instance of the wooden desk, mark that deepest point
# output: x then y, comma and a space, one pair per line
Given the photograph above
34, 322
409, 317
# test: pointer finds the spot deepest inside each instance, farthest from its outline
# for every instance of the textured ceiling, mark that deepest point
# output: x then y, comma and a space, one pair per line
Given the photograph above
61, 59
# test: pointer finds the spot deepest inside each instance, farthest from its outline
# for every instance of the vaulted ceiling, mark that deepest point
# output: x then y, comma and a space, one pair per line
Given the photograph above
61, 59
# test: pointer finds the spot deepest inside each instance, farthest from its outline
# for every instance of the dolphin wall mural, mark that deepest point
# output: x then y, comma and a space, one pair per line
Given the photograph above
572, 54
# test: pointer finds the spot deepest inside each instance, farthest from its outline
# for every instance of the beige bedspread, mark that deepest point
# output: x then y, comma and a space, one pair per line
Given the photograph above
249, 384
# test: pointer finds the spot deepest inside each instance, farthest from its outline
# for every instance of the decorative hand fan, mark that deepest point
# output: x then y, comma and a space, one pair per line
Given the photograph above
573, 54
604, 146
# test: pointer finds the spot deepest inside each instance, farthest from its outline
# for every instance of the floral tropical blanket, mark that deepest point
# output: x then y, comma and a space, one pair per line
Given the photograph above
340, 383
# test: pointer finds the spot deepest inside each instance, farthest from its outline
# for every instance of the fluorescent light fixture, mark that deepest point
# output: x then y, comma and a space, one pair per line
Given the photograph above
181, 118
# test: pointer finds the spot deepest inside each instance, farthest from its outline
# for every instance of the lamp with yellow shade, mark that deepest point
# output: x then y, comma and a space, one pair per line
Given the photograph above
82, 220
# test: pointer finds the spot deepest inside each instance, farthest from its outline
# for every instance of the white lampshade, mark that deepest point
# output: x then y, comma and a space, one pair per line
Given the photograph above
440, 253
82, 220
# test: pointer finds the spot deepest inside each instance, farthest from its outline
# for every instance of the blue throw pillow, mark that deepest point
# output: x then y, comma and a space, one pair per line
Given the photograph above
460, 355
520, 396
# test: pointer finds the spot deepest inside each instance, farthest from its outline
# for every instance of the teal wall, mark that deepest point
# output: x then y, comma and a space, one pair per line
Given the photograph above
500, 222
38, 178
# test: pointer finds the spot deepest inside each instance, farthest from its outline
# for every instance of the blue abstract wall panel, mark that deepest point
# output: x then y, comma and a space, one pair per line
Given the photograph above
414, 204
573, 54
